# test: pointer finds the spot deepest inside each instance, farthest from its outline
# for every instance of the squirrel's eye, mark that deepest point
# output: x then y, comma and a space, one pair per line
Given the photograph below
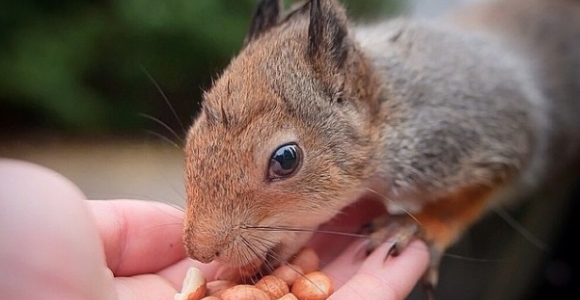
284, 162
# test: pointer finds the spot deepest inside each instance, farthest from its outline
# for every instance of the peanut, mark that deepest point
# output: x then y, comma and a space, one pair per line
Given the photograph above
313, 286
273, 286
194, 286
307, 259
244, 292
288, 297
217, 287
288, 273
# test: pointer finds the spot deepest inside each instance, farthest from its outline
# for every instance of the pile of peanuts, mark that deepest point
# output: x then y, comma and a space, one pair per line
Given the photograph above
300, 279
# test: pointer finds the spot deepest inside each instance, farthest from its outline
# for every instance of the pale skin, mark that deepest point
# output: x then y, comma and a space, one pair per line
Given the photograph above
56, 244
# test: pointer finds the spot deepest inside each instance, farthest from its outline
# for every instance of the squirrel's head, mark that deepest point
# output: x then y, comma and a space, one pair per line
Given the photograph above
284, 138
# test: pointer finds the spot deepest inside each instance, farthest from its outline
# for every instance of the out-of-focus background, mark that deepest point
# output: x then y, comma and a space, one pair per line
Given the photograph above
103, 92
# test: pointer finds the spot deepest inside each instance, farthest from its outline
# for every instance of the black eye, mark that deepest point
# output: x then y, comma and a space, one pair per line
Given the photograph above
284, 162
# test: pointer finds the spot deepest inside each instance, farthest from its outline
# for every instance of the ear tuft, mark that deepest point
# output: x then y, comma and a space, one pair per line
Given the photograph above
327, 33
266, 16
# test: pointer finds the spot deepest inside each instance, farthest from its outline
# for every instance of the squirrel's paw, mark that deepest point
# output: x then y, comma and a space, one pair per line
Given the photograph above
395, 230
399, 231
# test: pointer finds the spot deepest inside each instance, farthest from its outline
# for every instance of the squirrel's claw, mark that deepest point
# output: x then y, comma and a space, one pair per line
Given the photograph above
430, 278
400, 231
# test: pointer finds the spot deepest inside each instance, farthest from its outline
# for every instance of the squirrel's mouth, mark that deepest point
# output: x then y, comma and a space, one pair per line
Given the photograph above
329, 239
272, 257
254, 270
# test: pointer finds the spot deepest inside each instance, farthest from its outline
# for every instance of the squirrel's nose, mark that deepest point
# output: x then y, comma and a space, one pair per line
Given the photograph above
206, 258
204, 254
203, 245
201, 248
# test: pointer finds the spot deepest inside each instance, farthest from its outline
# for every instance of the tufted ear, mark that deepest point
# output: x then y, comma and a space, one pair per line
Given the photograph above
266, 16
327, 34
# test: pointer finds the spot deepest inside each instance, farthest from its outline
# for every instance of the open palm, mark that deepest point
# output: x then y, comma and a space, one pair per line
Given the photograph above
57, 245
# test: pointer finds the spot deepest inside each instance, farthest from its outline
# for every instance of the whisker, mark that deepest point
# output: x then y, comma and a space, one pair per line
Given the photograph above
159, 122
517, 226
247, 257
274, 256
473, 259
292, 229
164, 97
166, 139
396, 204
164, 225
303, 275
175, 206
265, 243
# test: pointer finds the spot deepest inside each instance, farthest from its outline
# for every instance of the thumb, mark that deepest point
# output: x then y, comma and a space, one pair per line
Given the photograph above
50, 246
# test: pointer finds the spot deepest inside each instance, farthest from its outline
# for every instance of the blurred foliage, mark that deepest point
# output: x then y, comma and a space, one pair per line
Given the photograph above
85, 66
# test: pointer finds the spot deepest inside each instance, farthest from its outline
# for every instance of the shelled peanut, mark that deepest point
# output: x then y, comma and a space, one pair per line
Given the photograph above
300, 279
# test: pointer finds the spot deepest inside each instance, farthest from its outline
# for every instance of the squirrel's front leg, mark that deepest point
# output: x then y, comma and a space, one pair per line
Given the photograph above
439, 223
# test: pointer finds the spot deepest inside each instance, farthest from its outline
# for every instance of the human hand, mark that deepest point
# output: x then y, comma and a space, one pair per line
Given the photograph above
57, 246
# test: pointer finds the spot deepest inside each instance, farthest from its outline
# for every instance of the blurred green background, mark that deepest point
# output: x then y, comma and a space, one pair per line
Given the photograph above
83, 67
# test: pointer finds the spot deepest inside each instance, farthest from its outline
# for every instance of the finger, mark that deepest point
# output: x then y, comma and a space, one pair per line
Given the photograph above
139, 236
49, 245
390, 279
144, 287
346, 265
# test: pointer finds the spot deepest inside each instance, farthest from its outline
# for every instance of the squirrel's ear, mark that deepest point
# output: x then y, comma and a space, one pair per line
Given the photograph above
266, 16
327, 34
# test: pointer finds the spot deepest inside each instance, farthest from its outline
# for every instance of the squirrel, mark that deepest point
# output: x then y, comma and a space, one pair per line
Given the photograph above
439, 119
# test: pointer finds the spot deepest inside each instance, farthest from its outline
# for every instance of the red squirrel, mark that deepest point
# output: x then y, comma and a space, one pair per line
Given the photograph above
440, 120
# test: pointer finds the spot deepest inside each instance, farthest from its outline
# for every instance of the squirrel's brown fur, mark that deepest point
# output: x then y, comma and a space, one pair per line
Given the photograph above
442, 118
